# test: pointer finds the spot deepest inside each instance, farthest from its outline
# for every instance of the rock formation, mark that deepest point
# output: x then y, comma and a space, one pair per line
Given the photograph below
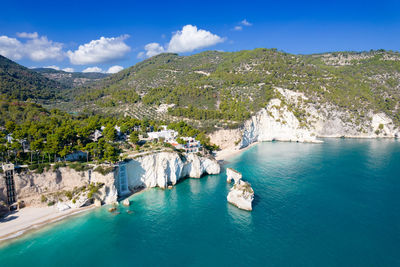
234, 175
241, 194
167, 168
294, 117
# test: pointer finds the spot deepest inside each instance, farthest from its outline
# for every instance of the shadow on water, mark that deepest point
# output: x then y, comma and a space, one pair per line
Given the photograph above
256, 200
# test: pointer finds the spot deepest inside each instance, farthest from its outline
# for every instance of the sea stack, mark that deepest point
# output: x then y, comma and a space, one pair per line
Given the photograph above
233, 175
241, 194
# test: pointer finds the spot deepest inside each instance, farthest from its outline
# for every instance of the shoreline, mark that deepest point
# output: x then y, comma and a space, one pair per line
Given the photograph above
32, 218
224, 154
44, 216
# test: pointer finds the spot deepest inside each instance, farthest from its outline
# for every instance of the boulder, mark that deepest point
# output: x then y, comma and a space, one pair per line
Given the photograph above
126, 202
61, 206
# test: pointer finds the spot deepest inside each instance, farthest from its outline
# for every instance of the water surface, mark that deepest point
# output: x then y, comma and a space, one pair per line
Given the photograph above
330, 204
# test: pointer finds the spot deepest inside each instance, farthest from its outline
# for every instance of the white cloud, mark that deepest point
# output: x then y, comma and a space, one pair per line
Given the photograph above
68, 69
29, 35
93, 69
246, 23
153, 49
100, 51
186, 40
190, 38
53, 67
115, 69
238, 28
11, 48
35, 48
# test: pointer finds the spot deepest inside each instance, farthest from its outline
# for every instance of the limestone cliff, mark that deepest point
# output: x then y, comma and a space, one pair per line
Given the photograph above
167, 168
33, 187
294, 117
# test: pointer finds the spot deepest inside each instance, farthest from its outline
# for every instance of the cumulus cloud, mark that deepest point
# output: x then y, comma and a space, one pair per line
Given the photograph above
100, 51
238, 28
153, 49
68, 69
11, 48
29, 35
93, 69
35, 48
188, 39
115, 69
245, 23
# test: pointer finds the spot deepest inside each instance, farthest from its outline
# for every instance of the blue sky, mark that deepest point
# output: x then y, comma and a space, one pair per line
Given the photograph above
68, 34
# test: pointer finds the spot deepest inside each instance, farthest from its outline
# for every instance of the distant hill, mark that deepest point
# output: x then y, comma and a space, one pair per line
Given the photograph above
231, 86
71, 79
21, 83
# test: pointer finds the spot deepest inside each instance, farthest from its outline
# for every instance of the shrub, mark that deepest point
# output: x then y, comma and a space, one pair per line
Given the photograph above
79, 167
43, 198
104, 170
51, 203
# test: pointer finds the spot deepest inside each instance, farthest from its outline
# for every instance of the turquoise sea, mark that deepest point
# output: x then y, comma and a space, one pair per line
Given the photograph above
330, 204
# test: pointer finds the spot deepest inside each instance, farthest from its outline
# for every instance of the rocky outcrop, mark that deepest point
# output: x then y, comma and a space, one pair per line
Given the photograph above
167, 168
234, 175
241, 195
294, 117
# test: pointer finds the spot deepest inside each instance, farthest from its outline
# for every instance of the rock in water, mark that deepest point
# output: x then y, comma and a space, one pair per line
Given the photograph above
233, 175
241, 195
126, 202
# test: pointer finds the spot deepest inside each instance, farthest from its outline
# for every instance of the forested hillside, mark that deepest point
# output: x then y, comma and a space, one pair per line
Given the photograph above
231, 86
21, 83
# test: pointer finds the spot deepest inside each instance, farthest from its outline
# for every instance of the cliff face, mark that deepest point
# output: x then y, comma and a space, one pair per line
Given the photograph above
167, 168
294, 117
30, 186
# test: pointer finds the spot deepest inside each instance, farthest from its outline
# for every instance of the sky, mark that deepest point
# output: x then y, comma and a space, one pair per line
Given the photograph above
108, 36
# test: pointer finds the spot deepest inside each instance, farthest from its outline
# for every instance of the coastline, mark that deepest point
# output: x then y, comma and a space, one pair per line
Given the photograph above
225, 154
19, 223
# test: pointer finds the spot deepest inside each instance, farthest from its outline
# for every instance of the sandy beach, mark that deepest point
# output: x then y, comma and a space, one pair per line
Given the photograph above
227, 153
18, 222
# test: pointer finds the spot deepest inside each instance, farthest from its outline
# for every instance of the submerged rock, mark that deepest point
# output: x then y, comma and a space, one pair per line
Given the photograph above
241, 195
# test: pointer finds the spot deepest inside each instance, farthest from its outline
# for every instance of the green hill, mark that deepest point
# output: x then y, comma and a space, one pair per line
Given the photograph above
231, 86
18, 82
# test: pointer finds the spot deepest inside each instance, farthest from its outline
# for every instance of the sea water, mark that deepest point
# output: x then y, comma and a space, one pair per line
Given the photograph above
330, 204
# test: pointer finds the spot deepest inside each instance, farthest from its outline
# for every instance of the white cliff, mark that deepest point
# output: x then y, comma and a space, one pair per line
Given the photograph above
167, 168
295, 117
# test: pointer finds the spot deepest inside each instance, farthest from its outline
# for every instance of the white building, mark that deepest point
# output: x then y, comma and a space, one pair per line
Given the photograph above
167, 135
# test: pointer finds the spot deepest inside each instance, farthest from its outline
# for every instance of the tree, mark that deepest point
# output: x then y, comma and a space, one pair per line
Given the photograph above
134, 137
180, 141
110, 133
